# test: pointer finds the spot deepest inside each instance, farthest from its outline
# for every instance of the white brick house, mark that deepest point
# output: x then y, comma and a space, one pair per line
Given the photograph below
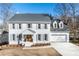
33, 28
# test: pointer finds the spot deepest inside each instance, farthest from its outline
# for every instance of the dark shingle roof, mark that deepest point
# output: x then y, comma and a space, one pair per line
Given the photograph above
58, 20
30, 17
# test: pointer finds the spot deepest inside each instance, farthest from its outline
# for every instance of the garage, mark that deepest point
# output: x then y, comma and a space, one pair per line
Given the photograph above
59, 37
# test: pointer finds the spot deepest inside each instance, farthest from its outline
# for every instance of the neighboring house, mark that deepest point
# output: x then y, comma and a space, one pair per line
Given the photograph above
34, 28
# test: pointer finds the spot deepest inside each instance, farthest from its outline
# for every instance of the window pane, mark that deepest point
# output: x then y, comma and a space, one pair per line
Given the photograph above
39, 26
19, 26
45, 26
55, 25
13, 36
46, 37
61, 25
20, 36
39, 37
13, 26
29, 25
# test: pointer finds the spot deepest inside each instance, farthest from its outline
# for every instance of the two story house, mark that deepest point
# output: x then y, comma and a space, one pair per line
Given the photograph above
34, 28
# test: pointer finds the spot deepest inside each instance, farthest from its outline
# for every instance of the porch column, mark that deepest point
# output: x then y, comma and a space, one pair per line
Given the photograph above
22, 38
34, 38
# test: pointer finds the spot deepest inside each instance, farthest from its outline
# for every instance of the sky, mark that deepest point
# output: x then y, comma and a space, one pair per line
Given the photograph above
46, 8
39, 8
35, 8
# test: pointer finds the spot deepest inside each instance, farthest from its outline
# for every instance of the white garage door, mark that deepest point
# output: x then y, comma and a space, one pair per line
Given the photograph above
58, 37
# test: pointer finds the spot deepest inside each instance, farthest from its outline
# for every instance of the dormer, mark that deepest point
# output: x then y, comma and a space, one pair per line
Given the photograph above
55, 25
61, 25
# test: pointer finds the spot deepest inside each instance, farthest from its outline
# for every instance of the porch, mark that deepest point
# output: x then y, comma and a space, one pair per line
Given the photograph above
29, 38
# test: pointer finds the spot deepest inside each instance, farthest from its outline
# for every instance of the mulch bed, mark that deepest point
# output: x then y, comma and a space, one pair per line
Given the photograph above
40, 44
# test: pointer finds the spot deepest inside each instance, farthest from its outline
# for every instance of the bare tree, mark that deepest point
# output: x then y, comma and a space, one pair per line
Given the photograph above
74, 12
68, 12
5, 12
62, 10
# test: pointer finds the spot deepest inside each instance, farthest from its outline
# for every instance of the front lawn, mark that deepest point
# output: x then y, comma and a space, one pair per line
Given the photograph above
29, 52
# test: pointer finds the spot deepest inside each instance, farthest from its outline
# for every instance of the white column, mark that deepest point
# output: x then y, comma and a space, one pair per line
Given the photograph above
34, 38
67, 37
22, 38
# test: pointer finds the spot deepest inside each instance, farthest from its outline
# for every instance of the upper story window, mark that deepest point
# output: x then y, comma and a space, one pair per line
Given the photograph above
55, 25
13, 26
19, 26
39, 26
61, 25
29, 25
45, 26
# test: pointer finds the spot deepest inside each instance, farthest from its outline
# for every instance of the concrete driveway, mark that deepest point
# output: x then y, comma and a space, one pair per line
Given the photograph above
66, 49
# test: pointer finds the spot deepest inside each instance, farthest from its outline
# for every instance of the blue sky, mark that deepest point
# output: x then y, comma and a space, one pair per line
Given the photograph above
40, 8
34, 8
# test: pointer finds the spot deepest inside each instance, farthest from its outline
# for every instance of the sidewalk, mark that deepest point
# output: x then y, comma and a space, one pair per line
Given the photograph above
66, 49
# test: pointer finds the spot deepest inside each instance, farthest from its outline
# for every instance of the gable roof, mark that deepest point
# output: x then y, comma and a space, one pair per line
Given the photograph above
57, 20
28, 31
30, 18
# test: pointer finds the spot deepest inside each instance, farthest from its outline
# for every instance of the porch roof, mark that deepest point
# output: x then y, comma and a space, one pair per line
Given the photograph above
28, 31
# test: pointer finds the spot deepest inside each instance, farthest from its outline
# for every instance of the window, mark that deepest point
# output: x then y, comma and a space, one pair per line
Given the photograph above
39, 26
39, 37
55, 25
46, 37
29, 25
45, 26
13, 26
20, 36
13, 36
19, 26
61, 25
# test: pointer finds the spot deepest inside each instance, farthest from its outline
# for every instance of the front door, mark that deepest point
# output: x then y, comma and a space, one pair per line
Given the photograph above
28, 38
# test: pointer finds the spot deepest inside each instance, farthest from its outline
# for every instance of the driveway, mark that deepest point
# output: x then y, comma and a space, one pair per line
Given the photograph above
66, 49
